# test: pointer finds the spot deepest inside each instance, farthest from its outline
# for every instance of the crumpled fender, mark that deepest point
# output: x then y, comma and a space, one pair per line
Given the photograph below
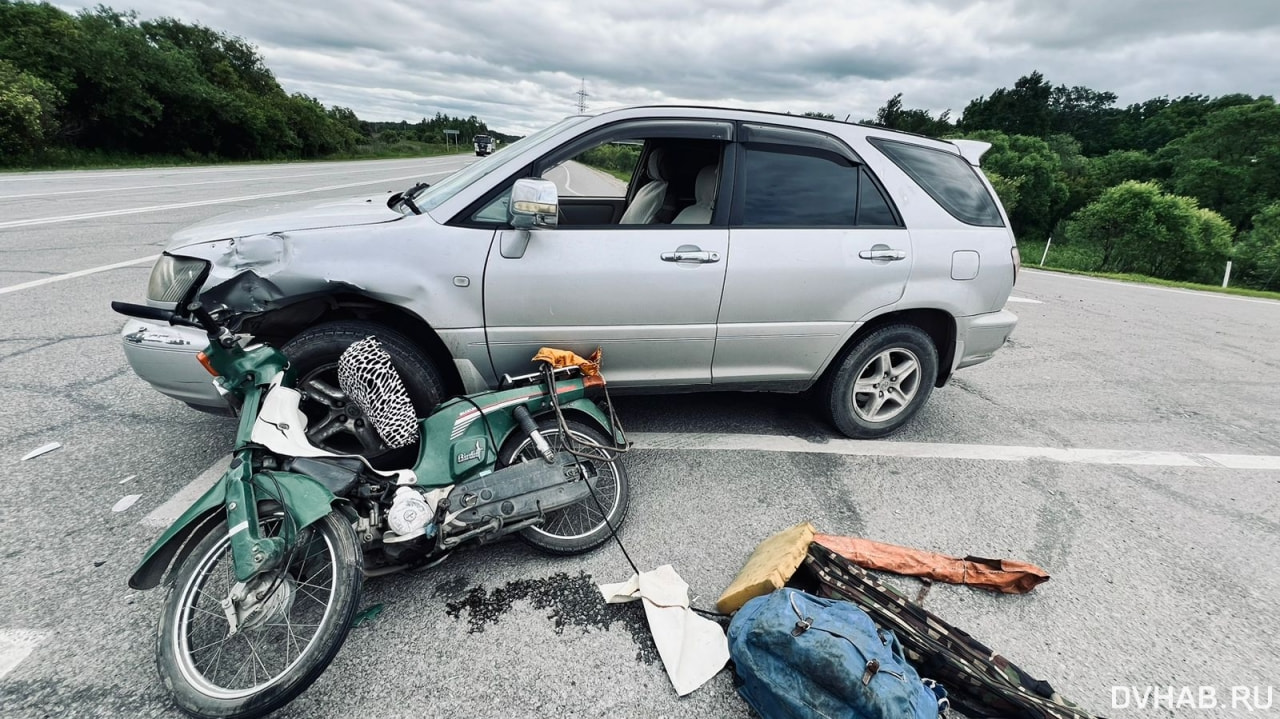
307, 499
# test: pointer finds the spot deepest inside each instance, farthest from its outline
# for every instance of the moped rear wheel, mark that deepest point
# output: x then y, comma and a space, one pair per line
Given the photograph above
289, 629
583, 526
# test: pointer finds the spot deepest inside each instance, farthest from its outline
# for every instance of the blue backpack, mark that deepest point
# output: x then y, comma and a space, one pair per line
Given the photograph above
803, 656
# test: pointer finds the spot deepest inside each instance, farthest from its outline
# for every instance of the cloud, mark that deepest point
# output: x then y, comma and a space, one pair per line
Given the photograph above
517, 65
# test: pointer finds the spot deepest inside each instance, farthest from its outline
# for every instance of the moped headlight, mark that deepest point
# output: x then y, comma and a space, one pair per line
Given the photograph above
173, 277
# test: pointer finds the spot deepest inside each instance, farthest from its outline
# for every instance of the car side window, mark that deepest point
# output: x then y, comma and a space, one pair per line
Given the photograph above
601, 171
948, 178
801, 187
873, 209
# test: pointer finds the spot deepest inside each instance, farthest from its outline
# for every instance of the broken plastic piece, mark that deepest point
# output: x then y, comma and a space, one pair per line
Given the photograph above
42, 450
126, 502
368, 614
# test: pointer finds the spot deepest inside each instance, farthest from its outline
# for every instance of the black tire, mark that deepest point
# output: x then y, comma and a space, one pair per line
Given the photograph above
314, 354
200, 683
583, 526
864, 396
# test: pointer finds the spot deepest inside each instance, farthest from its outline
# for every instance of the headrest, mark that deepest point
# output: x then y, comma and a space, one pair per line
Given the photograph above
657, 161
704, 188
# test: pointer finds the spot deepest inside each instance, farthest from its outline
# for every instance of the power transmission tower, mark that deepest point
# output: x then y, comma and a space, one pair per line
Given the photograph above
582, 97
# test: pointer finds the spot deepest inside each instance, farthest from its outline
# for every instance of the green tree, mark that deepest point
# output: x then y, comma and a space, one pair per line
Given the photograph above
895, 117
1084, 114
27, 113
1258, 252
1021, 110
1042, 190
1231, 163
1134, 227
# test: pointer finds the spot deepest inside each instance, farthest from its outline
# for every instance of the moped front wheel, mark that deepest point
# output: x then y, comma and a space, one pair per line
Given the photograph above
288, 626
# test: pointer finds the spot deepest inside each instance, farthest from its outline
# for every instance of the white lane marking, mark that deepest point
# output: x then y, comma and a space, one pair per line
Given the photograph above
1156, 288
1027, 300
108, 190
880, 448
15, 645
202, 203
77, 273
167, 513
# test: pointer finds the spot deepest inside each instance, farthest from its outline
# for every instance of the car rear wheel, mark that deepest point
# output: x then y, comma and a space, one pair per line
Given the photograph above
882, 381
333, 422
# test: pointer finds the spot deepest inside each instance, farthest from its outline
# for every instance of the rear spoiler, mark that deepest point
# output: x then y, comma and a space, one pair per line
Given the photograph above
972, 150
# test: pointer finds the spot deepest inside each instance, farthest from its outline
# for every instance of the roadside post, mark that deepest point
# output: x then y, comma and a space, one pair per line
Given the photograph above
1046, 250
1226, 276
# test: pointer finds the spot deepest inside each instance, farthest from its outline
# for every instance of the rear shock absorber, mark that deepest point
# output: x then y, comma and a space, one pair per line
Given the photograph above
525, 420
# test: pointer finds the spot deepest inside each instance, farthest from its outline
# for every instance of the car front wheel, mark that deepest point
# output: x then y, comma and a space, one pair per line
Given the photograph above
333, 422
882, 381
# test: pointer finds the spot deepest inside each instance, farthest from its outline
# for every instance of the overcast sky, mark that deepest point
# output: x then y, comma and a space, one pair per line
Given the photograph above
516, 64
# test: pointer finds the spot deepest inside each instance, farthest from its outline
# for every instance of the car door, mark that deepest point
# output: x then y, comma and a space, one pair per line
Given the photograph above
817, 247
648, 295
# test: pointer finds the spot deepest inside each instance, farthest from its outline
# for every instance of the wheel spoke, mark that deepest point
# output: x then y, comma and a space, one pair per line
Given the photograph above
320, 391
866, 385
368, 436
905, 370
326, 428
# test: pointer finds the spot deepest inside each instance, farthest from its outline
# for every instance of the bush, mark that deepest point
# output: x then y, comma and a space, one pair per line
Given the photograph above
1135, 228
27, 107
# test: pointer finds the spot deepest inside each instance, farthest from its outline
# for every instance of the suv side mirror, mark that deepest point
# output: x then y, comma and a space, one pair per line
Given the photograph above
534, 203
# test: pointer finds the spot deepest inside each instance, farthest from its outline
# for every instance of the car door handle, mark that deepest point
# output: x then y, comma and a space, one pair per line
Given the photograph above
699, 256
882, 252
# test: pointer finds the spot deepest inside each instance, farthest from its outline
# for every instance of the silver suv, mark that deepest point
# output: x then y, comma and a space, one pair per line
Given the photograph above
701, 248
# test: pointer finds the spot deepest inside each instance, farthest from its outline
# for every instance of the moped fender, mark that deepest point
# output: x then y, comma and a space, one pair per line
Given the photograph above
307, 499
584, 406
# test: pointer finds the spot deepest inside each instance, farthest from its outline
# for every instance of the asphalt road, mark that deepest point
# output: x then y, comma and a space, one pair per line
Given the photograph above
1104, 443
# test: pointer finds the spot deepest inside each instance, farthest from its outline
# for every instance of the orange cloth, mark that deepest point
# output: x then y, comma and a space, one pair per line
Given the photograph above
998, 575
564, 358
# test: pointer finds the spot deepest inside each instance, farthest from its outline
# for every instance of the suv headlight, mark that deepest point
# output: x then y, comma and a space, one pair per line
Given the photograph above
173, 277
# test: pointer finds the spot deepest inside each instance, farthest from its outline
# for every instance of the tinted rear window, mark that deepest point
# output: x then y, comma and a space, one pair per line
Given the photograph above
949, 179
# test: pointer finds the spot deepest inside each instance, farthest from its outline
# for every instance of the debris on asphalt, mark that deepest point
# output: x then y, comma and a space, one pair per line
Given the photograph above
570, 600
979, 681
775, 559
366, 615
99, 562
693, 649
41, 450
1008, 576
126, 479
768, 568
126, 502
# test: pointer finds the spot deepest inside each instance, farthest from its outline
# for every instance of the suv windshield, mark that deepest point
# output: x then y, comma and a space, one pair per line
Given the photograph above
429, 198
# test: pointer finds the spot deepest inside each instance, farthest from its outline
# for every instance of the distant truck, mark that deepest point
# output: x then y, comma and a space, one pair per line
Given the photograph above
484, 144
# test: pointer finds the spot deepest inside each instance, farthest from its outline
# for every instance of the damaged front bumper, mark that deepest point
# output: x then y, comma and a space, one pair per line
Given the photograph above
165, 356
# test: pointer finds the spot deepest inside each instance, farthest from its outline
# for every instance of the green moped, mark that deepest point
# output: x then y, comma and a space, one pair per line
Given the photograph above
264, 572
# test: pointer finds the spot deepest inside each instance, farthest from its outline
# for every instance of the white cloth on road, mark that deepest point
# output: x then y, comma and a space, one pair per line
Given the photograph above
693, 649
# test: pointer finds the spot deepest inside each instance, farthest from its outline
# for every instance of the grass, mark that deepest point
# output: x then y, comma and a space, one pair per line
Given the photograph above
62, 159
1068, 259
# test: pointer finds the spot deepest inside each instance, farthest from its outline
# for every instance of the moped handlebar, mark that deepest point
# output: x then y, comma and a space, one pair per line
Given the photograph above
203, 319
